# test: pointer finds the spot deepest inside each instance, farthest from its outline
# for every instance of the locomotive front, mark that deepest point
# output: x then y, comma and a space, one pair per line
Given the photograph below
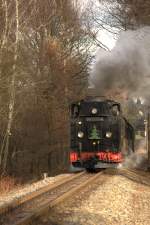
96, 134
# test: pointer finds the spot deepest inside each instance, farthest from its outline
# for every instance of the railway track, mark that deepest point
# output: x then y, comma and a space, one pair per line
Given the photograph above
21, 200
135, 175
39, 203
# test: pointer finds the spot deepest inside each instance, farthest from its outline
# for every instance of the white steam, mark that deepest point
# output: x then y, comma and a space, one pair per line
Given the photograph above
137, 159
127, 67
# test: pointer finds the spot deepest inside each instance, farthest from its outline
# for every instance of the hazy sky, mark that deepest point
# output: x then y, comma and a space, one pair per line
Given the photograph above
107, 38
104, 36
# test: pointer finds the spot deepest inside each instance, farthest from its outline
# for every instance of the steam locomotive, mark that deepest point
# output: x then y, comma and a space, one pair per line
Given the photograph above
100, 136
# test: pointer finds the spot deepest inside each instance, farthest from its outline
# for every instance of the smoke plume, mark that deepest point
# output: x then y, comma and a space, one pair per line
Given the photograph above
126, 69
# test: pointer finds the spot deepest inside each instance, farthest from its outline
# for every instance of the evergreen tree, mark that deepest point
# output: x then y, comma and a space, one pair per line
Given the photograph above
94, 133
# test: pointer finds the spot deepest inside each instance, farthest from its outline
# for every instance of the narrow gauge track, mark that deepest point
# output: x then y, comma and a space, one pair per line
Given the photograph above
41, 204
135, 175
21, 200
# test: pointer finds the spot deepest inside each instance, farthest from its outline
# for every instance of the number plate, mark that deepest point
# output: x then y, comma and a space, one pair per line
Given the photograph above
94, 119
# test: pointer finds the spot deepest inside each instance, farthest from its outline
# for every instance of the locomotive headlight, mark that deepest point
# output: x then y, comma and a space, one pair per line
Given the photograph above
94, 111
80, 134
108, 134
80, 122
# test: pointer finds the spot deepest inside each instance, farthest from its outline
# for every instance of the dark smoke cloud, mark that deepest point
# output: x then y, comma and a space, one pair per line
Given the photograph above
126, 67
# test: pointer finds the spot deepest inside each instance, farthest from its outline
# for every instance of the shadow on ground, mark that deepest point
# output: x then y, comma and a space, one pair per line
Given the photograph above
73, 218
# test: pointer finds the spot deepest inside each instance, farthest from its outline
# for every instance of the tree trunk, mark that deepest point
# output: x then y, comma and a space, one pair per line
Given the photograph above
6, 143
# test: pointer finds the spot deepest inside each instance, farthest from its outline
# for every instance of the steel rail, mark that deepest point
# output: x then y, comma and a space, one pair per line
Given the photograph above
74, 186
28, 197
135, 175
132, 174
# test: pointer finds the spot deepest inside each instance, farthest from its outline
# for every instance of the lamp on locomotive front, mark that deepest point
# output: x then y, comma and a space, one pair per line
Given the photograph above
80, 134
108, 134
94, 111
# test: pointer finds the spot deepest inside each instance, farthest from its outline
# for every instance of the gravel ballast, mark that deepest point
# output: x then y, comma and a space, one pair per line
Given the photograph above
118, 201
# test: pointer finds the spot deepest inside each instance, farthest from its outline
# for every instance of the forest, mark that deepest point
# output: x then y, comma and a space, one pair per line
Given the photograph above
46, 51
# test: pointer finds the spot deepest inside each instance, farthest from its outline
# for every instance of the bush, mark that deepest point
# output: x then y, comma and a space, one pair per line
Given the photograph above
7, 184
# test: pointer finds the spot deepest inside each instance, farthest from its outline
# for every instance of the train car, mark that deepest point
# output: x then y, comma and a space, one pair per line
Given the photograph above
100, 136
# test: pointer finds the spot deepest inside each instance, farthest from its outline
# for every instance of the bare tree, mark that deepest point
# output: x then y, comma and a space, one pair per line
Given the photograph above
5, 143
44, 58
126, 14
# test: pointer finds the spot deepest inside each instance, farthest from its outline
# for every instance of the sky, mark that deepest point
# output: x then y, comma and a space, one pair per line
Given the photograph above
104, 36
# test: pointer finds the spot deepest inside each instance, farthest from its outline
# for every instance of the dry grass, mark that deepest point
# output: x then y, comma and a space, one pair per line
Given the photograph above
8, 184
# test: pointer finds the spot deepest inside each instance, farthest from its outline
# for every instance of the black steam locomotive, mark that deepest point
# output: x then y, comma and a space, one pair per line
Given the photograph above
100, 136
